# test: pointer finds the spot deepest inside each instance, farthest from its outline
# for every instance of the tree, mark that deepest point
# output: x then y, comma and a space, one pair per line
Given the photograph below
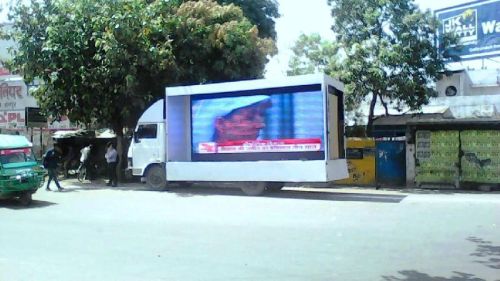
391, 52
262, 13
223, 46
105, 60
311, 54
386, 51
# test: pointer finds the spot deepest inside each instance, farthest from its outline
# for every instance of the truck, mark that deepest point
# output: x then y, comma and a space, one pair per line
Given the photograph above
20, 173
258, 134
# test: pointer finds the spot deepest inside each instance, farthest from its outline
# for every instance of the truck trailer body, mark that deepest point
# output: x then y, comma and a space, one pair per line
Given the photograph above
258, 133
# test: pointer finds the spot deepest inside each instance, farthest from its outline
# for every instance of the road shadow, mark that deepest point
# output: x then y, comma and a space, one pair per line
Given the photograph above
14, 204
489, 253
431, 189
228, 189
64, 190
444, 191
288, 194
100, 184
413, 275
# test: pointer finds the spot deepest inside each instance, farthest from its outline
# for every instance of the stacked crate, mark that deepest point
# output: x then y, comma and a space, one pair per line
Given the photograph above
481, 156
437, 156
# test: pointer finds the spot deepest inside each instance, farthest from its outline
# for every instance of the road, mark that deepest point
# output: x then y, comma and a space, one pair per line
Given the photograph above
91, 232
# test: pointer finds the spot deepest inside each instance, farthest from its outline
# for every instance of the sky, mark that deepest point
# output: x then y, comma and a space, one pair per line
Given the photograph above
312, 16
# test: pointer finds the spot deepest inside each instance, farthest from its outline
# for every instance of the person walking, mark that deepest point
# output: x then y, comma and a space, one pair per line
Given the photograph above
50, 161
111, 158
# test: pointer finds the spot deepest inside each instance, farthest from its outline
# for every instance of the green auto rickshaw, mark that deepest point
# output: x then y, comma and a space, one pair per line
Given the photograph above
20, 173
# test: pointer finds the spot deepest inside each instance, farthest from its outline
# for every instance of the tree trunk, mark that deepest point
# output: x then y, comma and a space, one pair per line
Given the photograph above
385, 106
121, 155
369, 126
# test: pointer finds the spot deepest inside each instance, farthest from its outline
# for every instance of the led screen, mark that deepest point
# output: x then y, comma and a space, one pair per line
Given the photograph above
271, 124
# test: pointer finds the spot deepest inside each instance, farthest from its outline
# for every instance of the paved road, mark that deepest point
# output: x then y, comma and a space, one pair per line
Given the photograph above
91, 232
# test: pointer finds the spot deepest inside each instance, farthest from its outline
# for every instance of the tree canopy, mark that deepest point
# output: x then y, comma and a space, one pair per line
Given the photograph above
386, 51
260, 12
311, 54
104, 60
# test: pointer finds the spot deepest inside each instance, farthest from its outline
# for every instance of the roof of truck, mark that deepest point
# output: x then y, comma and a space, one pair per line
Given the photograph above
254, 84
13, 141
154, 114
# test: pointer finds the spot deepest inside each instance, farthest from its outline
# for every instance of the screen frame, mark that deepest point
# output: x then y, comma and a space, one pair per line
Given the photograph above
265, 156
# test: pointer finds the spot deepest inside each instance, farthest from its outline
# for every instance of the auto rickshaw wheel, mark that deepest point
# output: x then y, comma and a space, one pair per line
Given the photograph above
25, 199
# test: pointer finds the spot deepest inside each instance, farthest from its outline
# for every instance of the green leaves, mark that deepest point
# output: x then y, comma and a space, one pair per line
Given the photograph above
103, 61
214, 43
261, 13
311, 54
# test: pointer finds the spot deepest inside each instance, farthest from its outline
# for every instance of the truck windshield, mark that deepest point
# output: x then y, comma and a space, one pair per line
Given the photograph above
18, 155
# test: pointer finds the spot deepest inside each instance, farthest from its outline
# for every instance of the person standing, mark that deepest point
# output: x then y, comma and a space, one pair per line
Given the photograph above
111, 158
50, 161
85, 159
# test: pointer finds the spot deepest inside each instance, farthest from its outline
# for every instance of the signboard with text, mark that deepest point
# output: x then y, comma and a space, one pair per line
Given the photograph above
18, 109
14, 99
477, 26
34, 117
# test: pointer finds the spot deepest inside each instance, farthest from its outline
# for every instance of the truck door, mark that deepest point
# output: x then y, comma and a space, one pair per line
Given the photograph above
146, 147
335, 123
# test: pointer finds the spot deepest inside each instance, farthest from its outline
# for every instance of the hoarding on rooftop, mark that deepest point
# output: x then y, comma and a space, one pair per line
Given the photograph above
477, 25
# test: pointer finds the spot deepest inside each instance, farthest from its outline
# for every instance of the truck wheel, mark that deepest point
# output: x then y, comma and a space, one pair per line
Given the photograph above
275, 185
253, 188
25, 199
155, 177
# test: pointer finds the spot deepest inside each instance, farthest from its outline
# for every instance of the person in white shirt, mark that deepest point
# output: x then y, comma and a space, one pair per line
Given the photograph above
111, 158
84, 158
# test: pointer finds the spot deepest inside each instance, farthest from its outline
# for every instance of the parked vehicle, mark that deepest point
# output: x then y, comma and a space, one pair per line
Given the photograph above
258, 133
20, 173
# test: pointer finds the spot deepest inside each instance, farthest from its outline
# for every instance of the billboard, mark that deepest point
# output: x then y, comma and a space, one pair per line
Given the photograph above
477, 25
16, 106
34, 117
270, 124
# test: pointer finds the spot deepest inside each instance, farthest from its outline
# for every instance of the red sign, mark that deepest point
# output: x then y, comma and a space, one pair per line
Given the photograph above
26, 151
4, 71
12, 117
248, 146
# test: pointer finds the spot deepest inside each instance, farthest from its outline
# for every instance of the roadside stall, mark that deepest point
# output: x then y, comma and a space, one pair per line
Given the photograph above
72, 142
457, 152
360, 154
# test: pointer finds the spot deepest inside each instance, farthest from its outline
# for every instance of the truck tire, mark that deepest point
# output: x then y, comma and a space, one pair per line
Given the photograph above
155, 177
25, 199
253, 188
275, 185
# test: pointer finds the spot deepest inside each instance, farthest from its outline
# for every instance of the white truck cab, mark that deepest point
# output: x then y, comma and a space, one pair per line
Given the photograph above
146, 154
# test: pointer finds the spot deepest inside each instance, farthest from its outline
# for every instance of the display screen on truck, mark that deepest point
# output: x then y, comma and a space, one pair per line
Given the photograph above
265, 124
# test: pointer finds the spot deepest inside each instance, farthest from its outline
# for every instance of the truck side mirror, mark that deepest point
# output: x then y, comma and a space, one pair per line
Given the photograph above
136, 138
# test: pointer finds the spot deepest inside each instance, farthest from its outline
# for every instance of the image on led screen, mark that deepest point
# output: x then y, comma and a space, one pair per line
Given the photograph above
277, 126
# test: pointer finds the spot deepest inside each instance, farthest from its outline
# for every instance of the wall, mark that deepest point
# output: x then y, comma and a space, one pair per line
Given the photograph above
471, 82
410, 163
